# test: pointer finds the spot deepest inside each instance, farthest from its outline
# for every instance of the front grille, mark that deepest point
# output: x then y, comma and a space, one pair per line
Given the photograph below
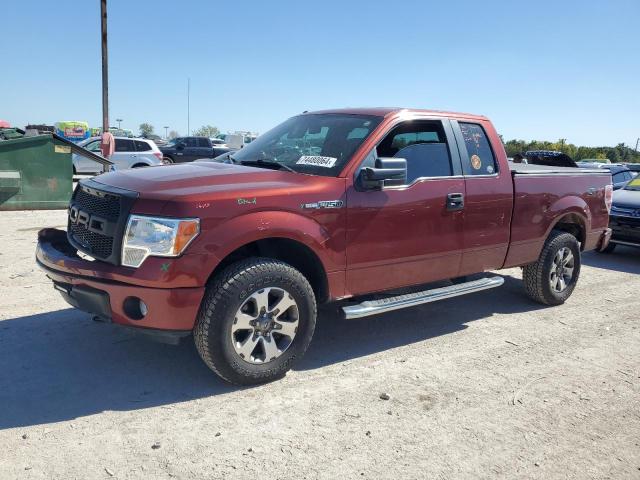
104, 205
97, 218
95, 244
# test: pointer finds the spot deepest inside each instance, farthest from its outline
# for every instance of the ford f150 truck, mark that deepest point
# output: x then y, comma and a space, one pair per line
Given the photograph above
331, 206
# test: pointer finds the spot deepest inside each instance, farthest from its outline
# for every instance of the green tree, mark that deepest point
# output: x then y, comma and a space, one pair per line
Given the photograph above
146, 129
207, 131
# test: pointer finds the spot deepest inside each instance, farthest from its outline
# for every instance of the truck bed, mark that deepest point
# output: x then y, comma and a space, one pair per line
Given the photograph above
540, 192
529, 169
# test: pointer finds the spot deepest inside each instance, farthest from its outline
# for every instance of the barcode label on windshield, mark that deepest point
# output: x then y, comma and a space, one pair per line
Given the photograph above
316, 160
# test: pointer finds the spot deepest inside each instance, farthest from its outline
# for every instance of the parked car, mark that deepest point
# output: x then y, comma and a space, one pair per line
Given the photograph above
218, 142
333, 206
549, 158
129, 153
188, 149
624, 219
620, 174
634, 167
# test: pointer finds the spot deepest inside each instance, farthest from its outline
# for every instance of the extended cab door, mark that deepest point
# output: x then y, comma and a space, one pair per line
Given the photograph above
408, 234
489, 196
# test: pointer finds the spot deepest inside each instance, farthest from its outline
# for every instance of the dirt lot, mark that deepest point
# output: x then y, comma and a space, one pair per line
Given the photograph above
485, 386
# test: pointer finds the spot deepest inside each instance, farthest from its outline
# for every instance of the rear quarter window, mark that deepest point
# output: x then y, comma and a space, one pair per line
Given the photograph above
142, 146
480, 159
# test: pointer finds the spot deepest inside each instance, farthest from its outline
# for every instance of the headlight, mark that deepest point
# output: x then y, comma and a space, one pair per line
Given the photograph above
155, 236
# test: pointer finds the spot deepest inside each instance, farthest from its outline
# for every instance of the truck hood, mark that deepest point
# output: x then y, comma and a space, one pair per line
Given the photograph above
627, 198
201, 180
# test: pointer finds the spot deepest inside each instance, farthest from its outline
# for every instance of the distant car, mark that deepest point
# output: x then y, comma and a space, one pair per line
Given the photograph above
129, 153
624, 219
218, 142
549, 158
634, 167
188, 149
620, 174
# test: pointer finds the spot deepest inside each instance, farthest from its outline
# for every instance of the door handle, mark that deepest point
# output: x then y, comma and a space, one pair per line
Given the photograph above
455, 202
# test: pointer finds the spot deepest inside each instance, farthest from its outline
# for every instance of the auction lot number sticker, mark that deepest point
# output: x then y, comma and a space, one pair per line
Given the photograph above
317, 161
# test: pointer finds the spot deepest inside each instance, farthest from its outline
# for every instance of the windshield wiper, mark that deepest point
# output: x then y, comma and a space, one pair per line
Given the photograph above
267, 163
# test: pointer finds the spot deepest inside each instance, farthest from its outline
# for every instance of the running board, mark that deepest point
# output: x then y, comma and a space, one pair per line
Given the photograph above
374, 307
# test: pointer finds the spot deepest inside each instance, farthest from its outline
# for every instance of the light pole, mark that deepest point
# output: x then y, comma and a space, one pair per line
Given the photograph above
166, 136
118, 120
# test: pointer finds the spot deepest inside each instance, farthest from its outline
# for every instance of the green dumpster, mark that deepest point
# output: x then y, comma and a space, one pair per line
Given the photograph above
36, 173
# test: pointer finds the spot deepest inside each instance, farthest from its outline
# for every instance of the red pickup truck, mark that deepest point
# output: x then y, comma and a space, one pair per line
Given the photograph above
331, 206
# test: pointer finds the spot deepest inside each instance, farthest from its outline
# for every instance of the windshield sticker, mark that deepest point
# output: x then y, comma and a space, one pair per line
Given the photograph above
318, 161
476, 163
490, 168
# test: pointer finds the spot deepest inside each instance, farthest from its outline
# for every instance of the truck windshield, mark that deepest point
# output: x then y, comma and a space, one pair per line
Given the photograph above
316, 144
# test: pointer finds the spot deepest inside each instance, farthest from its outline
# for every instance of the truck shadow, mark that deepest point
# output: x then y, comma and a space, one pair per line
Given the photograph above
60, 365
622, 259
337, 340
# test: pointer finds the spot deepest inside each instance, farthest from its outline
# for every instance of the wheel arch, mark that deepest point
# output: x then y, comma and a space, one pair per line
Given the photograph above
574, 223
293, 252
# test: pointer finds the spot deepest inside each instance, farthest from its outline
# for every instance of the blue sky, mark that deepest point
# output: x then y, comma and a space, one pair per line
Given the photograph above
540, 70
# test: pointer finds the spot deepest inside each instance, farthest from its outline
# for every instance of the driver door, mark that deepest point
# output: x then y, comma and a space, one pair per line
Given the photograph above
408, 234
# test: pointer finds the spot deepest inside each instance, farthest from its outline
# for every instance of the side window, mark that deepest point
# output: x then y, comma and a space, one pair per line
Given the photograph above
423, 144
142, 146
190, 142
124, 145
203, 142
480, 160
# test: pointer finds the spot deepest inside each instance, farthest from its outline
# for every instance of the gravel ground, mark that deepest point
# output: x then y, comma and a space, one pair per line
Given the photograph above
485, 386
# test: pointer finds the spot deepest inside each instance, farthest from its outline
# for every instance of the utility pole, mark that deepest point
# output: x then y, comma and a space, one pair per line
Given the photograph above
166, 135
637, 142
107, 143
105, 68
188, 107
118, 120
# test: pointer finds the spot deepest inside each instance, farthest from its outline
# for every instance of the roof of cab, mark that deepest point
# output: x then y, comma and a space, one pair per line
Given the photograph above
386, 111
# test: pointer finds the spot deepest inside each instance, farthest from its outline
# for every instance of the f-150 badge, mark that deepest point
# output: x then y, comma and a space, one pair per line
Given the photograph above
323, 204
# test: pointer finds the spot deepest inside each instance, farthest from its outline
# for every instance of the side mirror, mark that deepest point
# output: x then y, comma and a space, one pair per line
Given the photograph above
388, 171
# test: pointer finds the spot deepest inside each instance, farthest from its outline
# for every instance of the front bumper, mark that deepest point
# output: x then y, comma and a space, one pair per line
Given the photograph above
626, 230
90, 286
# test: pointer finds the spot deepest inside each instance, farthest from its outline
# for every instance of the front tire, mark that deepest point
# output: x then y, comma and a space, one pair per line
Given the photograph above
553, 277
256, 319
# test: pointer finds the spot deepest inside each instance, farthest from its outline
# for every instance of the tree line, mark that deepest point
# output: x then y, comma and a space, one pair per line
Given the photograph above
146, 129
618, 154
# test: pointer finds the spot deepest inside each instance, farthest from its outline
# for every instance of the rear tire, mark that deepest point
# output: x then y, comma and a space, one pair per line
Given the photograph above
167, 160
238, 338
553, 277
